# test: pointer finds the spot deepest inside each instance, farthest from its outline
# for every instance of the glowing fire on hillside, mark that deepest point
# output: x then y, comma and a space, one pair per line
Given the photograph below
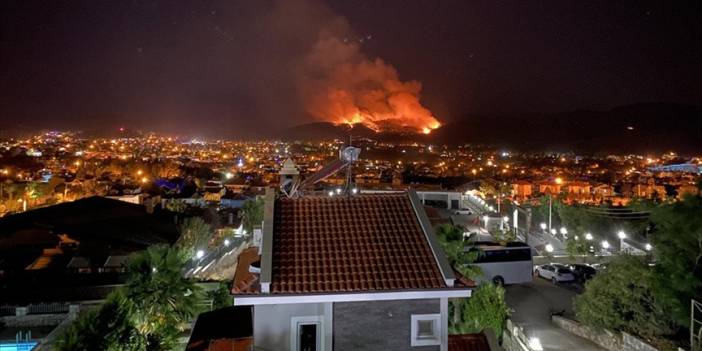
341, 85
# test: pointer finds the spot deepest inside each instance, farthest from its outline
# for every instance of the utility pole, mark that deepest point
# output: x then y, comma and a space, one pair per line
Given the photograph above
549, 212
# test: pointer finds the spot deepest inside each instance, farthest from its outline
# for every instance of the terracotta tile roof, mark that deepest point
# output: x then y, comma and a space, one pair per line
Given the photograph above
468, 342
350, 244
246, 282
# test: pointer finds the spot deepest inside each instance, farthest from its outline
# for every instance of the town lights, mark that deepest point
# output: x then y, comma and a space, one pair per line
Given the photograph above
605, 244
226, 242
331, 193
554, 231
338, 190
144, 180
228, 175
564, 231
588, 236
549, 248
354, 191
505, 218
559, 180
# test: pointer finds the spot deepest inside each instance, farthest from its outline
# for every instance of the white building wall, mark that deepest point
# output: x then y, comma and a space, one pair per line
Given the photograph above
272, 324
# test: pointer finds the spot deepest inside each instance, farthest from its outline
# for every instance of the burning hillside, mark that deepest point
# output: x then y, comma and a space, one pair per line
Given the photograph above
339, 84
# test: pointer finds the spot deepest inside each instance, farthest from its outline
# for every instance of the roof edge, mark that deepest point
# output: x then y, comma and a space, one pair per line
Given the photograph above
444, 266
267, 241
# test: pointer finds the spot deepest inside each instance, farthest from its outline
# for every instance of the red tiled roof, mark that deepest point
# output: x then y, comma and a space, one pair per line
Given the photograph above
244, 281
468, 342
350, 244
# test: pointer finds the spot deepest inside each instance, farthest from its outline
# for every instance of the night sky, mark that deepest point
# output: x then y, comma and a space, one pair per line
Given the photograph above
230, 68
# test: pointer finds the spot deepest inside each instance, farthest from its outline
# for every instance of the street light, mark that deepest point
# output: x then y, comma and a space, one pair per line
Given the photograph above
564, 231
648, 247
549, 248
535, 344
228, 175
588, 236
199, 254
553, 231
226, 242
605, 244
621, 235
543, 226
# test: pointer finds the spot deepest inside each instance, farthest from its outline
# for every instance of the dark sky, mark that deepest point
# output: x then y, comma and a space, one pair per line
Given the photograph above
224, 67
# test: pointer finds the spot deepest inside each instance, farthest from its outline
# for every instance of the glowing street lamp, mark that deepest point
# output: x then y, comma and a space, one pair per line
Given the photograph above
564, 231
588, 236
621, 235
549, 248
226, 242
228, 175
605, 244
554, 231
199, 254
543, 226
648, 247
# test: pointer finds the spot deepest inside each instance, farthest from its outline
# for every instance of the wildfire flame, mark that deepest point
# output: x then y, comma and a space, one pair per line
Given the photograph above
342, 86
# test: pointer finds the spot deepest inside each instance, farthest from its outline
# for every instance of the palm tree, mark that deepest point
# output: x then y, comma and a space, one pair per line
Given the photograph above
163, 300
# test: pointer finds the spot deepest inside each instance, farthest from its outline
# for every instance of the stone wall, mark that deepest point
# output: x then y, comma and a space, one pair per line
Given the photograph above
33, 320
613, 341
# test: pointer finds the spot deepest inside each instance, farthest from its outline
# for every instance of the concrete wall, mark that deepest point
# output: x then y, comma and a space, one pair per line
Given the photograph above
272, 324
613, 341
379, 325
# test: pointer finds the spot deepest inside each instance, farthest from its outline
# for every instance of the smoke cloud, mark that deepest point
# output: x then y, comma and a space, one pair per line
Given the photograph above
336, 82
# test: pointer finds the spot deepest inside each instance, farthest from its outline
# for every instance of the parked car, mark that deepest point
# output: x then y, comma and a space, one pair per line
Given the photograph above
582, 272
556, 273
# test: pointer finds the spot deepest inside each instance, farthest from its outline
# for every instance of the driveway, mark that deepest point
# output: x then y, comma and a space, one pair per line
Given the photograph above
533, 304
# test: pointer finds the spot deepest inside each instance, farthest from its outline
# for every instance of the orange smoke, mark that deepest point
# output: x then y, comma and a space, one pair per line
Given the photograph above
340, 85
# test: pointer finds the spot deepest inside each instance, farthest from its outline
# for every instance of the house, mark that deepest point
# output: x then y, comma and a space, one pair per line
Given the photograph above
362, 272
522, 189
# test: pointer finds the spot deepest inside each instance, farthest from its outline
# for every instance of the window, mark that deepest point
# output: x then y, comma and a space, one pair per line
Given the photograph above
306, 333
426, 329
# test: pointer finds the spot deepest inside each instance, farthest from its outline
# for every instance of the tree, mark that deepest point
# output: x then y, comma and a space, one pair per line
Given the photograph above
221, 297
622, 298
195, 234
175, 205
162, 300
251, 214
486, 308
677, 240
451, 240
106, 328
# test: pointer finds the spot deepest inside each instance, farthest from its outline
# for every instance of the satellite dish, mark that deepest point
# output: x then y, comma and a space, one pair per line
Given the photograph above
350, 154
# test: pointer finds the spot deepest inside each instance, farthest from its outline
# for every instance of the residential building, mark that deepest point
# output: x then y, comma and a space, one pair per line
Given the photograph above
361, 272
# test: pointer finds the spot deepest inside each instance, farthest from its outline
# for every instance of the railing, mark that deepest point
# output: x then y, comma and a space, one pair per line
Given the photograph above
40, 308
7, 310
47, 308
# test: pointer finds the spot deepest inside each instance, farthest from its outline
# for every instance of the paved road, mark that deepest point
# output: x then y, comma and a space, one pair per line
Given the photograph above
533, 304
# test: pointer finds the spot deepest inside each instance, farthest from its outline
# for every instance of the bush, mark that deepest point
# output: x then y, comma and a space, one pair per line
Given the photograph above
622, 298
486, 308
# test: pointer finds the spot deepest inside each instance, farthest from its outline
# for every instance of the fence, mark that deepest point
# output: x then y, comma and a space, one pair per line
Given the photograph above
40, 308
